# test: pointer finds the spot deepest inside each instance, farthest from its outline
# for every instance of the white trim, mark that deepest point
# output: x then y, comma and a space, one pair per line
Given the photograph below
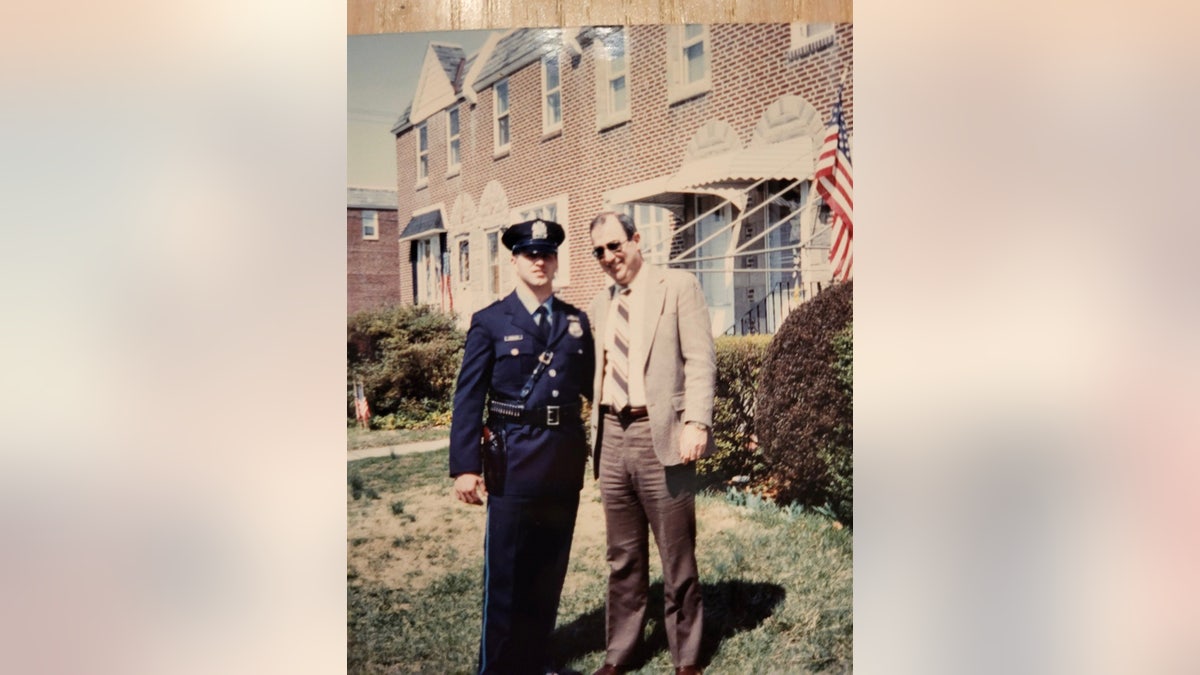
680, 86
453, 167
549, 125
374, 225
499, 150
422, 176
607, 116
807, 38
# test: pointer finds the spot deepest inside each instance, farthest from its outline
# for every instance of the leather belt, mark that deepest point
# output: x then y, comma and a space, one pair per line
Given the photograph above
543, 416
626, 414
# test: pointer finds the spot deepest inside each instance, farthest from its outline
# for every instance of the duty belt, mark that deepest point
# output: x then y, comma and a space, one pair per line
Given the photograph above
543, 416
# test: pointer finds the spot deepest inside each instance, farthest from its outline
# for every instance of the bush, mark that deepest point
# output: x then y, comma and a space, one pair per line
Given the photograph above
739, 360
407, 357
804, 415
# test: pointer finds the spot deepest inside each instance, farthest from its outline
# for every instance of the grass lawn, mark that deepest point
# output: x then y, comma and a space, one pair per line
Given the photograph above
776, 583
357, 439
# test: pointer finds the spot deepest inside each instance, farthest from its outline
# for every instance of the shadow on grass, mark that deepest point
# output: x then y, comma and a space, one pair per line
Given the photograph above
730, 607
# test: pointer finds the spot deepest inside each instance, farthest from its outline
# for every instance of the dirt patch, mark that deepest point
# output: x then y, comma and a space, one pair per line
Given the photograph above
431, 533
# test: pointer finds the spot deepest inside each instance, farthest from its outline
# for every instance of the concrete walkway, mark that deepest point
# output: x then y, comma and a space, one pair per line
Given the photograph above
405, 449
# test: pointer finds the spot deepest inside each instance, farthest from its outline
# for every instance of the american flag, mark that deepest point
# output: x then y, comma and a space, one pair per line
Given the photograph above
835, 184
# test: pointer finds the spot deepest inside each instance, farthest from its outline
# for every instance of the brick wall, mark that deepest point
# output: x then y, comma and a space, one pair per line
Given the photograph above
372, 269
750, 69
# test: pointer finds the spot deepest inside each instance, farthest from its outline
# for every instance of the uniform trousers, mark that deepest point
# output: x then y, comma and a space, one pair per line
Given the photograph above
526, 549
639, 492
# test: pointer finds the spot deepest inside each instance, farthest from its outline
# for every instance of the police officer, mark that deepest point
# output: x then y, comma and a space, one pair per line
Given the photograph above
531, 513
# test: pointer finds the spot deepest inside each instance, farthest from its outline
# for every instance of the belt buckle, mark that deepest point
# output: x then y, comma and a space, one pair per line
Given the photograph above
545, 357
623, 415
551, 415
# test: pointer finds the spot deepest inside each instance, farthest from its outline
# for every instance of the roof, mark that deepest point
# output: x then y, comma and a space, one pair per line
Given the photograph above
371, 198
403, 123
516, 50
423, 224
451, 58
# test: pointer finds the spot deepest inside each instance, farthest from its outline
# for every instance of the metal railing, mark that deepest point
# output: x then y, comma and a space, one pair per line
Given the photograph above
767, 315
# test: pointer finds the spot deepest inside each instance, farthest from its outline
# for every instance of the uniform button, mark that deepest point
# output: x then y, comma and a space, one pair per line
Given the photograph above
515, 351
554, 393
553, 373
580, 351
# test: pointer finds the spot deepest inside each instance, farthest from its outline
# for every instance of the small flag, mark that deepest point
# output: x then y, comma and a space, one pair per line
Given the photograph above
835, 183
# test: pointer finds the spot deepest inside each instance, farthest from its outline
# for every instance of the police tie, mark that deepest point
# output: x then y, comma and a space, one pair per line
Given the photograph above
619, 357
542, 318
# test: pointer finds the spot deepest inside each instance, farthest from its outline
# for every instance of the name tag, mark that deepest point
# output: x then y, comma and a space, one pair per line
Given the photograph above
513, 338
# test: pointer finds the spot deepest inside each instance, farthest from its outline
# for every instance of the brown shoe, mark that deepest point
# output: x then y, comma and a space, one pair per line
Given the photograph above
688, 670
610, 669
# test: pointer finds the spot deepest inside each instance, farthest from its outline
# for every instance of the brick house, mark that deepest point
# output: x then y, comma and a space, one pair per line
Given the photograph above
372, 252
706, 134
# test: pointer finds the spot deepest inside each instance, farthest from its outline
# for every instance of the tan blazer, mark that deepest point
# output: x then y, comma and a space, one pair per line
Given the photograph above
680, 364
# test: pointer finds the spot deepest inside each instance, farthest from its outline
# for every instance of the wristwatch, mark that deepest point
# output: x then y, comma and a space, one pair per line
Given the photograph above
699, 425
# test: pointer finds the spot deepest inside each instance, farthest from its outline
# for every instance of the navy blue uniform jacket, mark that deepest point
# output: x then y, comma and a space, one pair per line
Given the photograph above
501, 352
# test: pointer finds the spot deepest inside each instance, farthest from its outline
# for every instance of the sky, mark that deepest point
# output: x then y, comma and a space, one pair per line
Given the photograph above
381, 76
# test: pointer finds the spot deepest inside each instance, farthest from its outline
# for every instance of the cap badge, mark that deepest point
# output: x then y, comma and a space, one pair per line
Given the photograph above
539, 230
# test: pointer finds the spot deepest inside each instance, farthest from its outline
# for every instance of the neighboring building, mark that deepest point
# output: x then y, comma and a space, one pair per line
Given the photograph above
373, 262
706, 134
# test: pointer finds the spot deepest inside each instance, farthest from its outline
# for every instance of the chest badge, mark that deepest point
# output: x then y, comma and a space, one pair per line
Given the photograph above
574, 327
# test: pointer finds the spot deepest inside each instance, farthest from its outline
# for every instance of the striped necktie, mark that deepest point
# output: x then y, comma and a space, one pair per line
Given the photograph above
619, 356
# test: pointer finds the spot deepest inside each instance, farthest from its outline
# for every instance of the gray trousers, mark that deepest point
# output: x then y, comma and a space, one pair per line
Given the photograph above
640, 493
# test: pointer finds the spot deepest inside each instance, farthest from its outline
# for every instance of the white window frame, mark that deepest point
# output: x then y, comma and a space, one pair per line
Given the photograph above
607, 72
549, 94
553, 209
372, 216
498, 115
807, 38
422, 154
494, 259
679, 87
453, 141
463, 252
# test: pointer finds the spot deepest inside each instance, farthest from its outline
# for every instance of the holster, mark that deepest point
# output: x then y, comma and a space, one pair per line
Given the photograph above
495, 460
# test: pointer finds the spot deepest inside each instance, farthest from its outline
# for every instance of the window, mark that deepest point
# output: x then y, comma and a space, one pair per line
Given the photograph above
687, 59
554, 209
370, 224
422, 153
500, 105
551, 95
809, 37
612, 80
453, 136
493, 240
464, 261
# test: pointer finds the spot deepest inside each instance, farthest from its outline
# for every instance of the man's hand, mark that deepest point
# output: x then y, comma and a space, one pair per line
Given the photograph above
692, 441
469, 488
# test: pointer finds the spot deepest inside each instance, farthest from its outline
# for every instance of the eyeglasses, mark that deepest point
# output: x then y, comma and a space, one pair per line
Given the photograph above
612, 246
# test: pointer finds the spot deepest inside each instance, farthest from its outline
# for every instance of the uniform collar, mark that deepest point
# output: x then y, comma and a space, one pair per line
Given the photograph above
530, 302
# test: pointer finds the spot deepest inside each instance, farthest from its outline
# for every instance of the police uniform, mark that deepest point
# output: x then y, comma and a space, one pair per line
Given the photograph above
531, 520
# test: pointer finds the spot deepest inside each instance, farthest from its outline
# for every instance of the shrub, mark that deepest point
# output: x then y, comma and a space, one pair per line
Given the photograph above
739, 360
407, 357
804, 404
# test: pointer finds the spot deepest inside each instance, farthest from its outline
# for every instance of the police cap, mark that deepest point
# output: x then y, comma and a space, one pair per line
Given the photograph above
534, 235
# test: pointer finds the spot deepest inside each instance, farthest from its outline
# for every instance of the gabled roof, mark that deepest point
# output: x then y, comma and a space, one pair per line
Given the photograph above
403, 122
517, 49
371, 198
451, 58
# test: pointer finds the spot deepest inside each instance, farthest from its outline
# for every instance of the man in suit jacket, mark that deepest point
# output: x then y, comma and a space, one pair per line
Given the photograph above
531, 515
654, 380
